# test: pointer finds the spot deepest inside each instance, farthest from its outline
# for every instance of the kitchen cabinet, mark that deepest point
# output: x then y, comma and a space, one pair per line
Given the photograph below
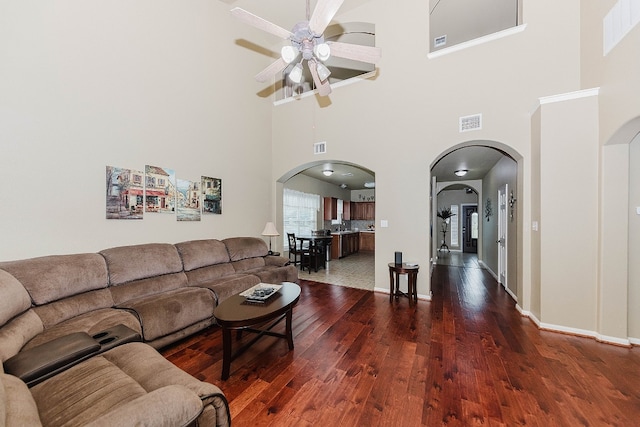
364, 211
330, 208
346, 210
367, 242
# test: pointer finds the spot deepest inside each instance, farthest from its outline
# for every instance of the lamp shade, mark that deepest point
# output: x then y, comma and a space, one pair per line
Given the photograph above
270, 230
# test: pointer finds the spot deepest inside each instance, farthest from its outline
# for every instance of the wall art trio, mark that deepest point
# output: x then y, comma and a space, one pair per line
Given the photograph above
131, 193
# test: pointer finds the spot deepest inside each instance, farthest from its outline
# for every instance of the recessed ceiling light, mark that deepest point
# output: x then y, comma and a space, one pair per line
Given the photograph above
370, 184
327, 172
461, 172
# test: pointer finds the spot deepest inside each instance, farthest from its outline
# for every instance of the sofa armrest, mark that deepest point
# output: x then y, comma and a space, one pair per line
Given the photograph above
47, 359
276, 260
172, 405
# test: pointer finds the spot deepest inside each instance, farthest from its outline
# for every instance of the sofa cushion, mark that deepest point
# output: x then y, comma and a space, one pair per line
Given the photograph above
245, 247
171, 311
129, 263
17, 407
15, 299
146, 287
18, 332
248, 264
84, 393
54, 277
131, 384
200, 253
207, 274
224, 287
58, 311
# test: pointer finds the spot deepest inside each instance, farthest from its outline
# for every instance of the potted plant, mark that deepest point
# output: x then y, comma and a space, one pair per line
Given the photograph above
444, 214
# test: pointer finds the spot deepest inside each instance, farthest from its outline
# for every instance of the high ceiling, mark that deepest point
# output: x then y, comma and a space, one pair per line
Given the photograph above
477, 160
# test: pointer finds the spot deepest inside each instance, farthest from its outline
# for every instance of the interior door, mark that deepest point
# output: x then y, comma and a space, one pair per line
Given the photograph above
502, 234
470, 229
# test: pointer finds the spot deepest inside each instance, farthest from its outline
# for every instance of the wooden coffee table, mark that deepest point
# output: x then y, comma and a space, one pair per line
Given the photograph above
234, 313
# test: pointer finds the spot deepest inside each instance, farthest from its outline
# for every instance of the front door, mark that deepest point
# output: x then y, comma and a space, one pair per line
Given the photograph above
470, 229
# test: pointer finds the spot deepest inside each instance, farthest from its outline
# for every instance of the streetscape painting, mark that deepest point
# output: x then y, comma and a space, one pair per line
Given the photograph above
188, 200
211, 195
160, 190
124, 193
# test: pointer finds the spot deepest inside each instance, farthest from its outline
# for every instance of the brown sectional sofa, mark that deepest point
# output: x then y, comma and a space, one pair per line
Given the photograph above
160, 292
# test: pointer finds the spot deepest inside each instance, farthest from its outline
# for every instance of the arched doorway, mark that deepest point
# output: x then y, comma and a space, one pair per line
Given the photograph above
490, 171
346, 195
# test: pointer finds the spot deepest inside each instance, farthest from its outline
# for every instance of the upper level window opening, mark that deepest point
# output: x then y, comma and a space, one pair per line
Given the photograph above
452, 22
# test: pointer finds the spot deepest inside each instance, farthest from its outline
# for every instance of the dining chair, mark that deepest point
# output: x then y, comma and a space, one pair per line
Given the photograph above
293, 249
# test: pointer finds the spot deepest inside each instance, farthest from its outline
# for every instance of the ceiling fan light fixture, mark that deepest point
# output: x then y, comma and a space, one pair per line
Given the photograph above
323, 72
288, 54
296, 73
327, 172
322, 51
461, 172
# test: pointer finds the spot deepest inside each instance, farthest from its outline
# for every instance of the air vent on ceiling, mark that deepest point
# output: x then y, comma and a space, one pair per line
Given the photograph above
320, 147
469, 123
440, 41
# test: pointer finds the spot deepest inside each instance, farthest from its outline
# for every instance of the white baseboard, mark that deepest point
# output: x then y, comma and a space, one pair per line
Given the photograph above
577, 332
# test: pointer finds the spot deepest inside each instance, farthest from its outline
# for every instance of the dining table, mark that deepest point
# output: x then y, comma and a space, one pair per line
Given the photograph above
318, 247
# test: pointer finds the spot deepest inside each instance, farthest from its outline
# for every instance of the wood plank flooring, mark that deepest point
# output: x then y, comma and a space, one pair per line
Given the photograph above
465, 358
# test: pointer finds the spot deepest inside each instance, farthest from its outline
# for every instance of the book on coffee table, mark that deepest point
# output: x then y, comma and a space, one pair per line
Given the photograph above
260, 293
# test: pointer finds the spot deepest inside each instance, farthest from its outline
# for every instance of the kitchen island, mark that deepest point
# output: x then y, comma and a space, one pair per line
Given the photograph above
344, 243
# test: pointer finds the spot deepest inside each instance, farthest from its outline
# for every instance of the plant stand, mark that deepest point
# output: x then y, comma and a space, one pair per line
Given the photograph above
444, 245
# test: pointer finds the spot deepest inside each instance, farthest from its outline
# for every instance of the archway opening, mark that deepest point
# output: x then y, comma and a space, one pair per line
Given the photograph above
478, 181
337, 198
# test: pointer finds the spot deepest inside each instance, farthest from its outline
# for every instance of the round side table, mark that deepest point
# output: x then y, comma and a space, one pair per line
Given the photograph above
395, 270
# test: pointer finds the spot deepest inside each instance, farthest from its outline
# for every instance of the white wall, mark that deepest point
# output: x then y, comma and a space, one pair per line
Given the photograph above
634, 241
398, 123
86, 84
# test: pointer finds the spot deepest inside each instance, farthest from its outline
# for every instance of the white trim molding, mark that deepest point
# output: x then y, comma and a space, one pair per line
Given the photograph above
569, 96
421, 297
577, 332
478, 41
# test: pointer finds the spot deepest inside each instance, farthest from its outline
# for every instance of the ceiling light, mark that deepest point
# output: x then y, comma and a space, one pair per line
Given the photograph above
461, 172
327, 172
369, 184
288, 54
323, 72
296, 73
322, 51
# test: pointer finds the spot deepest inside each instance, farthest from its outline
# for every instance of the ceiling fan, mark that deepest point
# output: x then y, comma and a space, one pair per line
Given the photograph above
307, 39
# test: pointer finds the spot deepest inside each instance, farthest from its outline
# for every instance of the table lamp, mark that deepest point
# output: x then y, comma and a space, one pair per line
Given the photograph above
270, 230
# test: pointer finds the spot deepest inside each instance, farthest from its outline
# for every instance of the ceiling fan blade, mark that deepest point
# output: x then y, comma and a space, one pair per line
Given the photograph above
275, 67
260, 23
324, 88
323, 14
356, 52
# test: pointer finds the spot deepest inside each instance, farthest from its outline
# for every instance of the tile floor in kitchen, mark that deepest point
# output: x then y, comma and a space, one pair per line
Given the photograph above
357, 270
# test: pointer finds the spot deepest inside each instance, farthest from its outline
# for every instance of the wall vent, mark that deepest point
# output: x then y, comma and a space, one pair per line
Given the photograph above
320, 147
469, 123
440, 41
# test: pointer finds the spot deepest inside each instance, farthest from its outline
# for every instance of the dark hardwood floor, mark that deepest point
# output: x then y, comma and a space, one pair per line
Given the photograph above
465, 358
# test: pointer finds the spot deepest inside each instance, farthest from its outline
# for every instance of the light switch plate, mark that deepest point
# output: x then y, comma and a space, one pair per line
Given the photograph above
534, 225
638, 210
384, 223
